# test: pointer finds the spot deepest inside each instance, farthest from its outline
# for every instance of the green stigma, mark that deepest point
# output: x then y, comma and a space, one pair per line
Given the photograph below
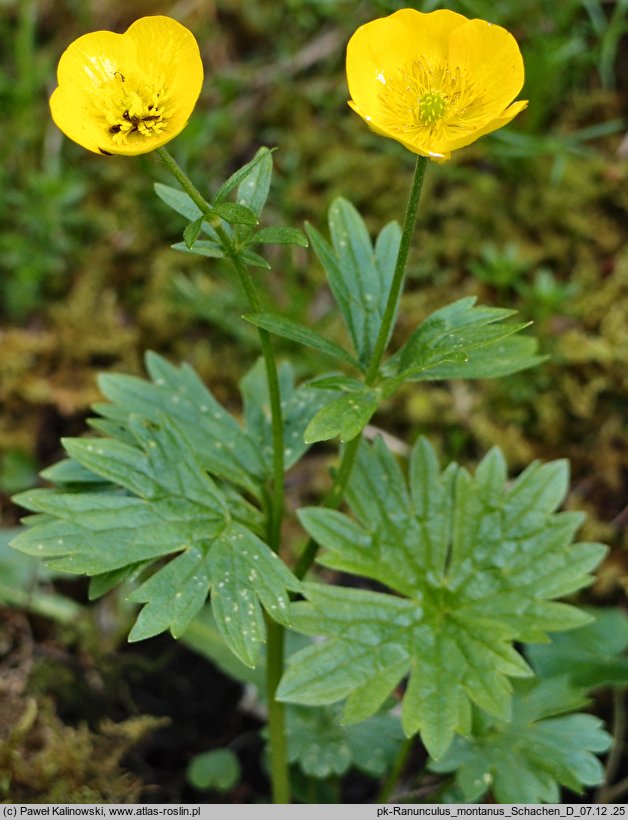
432, 107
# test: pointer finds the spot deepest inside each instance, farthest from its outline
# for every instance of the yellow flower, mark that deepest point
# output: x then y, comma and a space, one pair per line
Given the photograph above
434, 82
128, 93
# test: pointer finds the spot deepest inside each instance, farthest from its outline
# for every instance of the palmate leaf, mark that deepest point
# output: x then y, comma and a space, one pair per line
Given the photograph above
222, 446
316, 739
323, 747
161, 504
592, 656
528, 758
475, 562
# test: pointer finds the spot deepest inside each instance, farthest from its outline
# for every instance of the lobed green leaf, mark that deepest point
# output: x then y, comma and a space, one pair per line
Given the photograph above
593, 655
528, 758
476, 562
223, 448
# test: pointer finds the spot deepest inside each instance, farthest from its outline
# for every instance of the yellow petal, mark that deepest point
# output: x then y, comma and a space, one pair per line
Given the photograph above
489, 57
72, 113
380, 48
155, 52
165, 46
493, 125
93, 59
434, 82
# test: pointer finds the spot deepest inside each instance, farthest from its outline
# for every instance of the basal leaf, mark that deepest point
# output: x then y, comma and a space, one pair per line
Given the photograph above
174, 505
319, 741
528, 758
160, 503
218, 769
591, 656
299, 404
476, 561
246, 574
204, 637
323, 747
173, 595
224, 449
358, 274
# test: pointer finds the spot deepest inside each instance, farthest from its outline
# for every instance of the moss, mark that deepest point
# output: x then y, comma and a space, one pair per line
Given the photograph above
44, 761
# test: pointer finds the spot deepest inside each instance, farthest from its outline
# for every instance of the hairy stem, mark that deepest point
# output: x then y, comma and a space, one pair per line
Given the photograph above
274, 632
334, 497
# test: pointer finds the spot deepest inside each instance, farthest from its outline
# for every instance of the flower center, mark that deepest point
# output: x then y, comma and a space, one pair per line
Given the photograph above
432, 107
133, 107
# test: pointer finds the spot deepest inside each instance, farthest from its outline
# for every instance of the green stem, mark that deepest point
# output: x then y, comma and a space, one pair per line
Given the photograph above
400, 271
397, 770
275, 632
280, 779
331, 501
334, 497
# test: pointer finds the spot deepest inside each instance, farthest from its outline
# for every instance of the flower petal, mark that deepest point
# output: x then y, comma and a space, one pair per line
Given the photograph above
93, 59
72, 113
498, 122
490, 57
154, 52
165, 46
383, 46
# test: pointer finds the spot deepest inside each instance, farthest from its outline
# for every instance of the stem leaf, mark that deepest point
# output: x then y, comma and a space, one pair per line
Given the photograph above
358, 274
252, 178
191, 232
296, 332
235, 213
448, 337
345, 417
278, 235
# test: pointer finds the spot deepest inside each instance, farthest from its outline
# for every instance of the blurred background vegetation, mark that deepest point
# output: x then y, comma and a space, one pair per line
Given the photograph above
534, 217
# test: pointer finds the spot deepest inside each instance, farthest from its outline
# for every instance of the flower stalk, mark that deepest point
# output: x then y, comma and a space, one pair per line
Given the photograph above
333, 499
274, 631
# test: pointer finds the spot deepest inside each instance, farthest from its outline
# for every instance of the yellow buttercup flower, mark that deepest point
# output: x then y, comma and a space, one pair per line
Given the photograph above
128, 93
434, 82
